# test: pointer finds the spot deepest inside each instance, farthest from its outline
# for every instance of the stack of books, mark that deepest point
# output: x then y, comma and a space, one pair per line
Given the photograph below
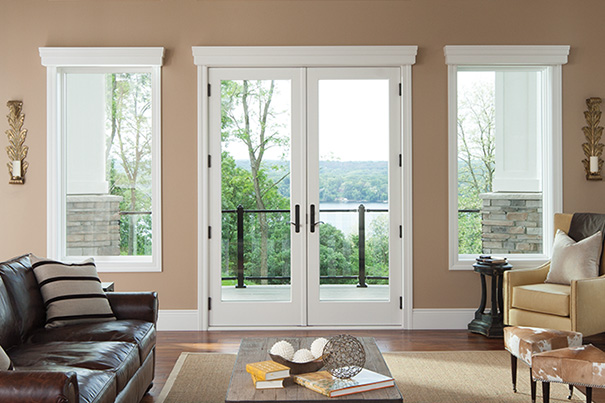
489, 259
268, 374
328, 385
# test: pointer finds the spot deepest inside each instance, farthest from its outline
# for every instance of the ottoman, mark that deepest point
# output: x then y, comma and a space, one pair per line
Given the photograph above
523, 342
583, 366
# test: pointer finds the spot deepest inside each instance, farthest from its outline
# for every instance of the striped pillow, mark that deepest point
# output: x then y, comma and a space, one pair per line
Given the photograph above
5, 362
72, 293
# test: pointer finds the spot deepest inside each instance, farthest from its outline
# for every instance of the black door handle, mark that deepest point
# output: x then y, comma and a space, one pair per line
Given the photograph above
296, 222
313, 222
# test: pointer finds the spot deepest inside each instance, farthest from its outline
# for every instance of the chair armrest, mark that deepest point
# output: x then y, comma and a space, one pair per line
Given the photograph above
38, 386
134, 305
587, 305
517, 277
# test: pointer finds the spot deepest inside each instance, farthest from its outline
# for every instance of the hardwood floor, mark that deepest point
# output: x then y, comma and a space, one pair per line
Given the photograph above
171, 344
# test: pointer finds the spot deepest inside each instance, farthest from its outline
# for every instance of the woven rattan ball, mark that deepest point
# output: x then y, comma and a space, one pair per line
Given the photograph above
344, 356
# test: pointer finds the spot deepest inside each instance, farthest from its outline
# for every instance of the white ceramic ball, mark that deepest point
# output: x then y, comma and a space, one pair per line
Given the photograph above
303, 355
284, 349
317, 347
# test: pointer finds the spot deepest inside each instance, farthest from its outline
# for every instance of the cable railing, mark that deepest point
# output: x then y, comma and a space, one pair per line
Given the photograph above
361, 277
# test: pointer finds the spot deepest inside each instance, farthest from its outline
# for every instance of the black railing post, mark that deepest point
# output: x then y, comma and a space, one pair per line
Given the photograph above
240, 247
362, 246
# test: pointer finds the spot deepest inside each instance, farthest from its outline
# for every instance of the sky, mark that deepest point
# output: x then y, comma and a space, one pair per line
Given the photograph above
353, 120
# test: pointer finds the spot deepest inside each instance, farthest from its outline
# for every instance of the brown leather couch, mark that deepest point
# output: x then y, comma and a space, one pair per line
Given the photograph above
97, 362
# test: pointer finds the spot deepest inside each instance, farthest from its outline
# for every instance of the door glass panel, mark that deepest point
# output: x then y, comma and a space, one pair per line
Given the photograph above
353, 196
255, 190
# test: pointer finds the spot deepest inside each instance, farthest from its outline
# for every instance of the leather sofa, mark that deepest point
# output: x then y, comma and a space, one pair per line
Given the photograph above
110, 361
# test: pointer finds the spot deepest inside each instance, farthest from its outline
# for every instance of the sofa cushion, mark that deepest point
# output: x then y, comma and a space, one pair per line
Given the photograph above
25, 299
5, 361
132, 331
573, 260
120, 358
544, 298
9, 322
72, 292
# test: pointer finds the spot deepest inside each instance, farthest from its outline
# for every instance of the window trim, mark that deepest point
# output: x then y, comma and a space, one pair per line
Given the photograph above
58, 61
551, 58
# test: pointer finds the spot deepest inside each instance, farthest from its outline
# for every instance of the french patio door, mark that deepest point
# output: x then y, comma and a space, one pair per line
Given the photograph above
305, 197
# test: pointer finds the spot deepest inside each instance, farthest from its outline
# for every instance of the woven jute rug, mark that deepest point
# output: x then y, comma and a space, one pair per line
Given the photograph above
460, 376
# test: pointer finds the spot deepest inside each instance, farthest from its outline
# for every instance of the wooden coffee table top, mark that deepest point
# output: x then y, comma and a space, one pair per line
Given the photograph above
242, 390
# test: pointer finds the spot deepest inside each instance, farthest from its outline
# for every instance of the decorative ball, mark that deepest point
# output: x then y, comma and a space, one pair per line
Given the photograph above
317, 347
303, 355
284, 349
344, 356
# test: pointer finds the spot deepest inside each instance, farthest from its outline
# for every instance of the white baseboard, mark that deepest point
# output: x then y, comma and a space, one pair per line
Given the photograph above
442, 318
179, 319
435, 319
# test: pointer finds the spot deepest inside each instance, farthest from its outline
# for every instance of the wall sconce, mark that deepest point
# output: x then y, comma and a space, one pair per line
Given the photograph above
593, 148
16, 150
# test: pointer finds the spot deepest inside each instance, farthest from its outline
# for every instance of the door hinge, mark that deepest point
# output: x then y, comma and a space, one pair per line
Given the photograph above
400, 160
400, 302
401, 231
209, 92
209, 161
209, 303
209, 232
400, 89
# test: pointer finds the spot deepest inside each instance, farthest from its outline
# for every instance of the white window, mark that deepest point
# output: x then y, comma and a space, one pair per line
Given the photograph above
505, 163
104, 193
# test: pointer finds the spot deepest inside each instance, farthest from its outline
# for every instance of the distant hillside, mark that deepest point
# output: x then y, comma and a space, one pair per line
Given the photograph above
359, 181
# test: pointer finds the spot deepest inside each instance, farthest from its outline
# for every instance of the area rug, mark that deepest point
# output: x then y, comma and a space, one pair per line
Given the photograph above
427, 377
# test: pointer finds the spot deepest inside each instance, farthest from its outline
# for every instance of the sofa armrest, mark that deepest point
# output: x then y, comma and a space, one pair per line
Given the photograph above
38, 386
134, 305
517, 277
587, 305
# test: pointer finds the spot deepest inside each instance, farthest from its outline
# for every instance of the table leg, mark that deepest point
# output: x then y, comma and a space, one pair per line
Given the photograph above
483, 295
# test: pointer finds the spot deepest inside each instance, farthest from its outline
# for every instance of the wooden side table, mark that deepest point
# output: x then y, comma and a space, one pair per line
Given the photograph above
490, 324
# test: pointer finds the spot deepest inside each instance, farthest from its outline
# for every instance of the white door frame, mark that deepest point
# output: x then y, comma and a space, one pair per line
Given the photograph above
314, 56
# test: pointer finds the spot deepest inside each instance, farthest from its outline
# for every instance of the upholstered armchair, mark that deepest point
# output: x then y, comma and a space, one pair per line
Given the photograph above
529, 301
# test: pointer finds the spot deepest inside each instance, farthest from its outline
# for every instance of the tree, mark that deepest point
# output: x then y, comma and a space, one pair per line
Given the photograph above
249, 117
129, 142
476, 159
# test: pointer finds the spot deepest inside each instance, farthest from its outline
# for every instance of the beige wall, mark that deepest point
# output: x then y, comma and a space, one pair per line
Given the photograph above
177, 25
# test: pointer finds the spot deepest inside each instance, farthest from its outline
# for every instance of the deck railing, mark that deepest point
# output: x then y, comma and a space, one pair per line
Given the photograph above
362, 276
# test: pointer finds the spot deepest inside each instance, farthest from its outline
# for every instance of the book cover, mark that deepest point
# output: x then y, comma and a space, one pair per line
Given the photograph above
326, 384
273, 384
268, 370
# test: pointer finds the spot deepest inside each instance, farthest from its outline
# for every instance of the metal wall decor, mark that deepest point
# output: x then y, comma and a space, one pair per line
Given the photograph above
593, 149
16, 150
344, 356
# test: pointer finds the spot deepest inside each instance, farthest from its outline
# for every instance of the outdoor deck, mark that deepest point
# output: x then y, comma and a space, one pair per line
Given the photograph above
327, 292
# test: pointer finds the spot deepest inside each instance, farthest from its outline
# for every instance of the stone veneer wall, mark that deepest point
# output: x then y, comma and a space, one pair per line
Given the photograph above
93, 225
511, 223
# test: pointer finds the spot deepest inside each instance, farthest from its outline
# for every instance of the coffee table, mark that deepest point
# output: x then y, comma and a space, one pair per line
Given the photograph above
242, 390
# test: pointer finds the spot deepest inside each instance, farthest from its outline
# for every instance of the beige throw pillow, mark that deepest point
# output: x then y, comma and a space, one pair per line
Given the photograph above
573, 260
5, 361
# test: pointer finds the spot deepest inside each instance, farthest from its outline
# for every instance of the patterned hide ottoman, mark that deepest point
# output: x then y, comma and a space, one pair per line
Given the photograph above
583, 366
523, 342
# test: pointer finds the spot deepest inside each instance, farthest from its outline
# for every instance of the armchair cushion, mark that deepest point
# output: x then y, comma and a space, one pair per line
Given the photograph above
552, 299
573, 260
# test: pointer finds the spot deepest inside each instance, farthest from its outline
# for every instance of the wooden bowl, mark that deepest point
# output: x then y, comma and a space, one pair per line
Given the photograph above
299, 368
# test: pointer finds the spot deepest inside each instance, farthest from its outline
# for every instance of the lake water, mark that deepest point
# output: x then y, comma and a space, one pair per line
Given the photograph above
348, 223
